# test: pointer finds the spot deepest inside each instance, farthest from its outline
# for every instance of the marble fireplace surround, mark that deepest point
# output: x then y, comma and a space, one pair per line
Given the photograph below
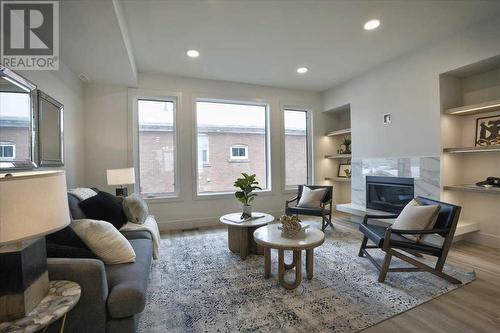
424, 170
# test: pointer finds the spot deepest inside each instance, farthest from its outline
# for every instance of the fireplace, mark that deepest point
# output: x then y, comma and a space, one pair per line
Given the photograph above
388, 194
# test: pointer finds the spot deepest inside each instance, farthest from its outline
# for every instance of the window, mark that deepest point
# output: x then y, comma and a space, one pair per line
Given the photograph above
157, 146
236, 131
239, 152
297, 160
203, 158
7, 151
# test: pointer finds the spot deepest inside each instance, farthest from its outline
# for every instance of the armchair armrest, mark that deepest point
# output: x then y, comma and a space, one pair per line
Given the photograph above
287, 202
419, 232
89, 314
367, 217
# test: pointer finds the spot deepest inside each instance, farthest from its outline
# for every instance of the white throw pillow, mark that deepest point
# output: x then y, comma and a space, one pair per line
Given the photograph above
105, 241
417, 217
311, 198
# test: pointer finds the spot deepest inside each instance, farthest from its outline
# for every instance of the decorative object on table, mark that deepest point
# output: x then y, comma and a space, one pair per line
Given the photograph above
490, 182
323, 209
346, 145
488, 131
344, 171
291, 226
34, 204
240, 232
121, 177
61, 298
50, 131
270, 237
247, 184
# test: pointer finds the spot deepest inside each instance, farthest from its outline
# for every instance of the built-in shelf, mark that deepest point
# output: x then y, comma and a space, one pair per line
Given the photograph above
475, 108
472, 149
338, 179
337, 156
339, 132
473, 188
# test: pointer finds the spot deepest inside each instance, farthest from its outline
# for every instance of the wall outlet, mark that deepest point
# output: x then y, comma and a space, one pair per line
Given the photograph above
387, 119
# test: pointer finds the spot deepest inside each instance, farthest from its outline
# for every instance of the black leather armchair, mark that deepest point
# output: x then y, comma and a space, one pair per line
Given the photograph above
325, 211
393, 242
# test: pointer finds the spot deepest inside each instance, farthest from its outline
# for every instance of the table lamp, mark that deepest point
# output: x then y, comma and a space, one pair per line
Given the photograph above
32, 205
121, 177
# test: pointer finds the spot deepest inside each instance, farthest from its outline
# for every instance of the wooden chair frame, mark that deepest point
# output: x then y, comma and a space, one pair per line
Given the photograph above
418, 265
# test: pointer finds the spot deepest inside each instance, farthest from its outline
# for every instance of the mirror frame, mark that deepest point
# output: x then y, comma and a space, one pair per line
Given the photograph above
43, 162
30, 88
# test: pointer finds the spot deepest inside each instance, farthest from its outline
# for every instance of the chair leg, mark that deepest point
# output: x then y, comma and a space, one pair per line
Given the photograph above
363, 245
323, 223
385, 267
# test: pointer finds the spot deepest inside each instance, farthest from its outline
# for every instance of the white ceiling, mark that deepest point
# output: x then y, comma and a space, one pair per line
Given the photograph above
260, 42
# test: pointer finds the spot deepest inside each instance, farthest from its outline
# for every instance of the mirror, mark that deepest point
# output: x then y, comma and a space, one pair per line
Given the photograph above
17, 125
50, 131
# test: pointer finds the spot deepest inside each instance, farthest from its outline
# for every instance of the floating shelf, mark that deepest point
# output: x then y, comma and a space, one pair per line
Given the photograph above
339, 132
338, 179
337, 156
472, 149
473, 188
475, 108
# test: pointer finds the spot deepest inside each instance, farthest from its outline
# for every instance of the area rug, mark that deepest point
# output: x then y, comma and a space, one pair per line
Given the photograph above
198, 285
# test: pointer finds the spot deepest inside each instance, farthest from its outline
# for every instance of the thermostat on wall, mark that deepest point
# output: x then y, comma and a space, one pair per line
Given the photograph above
387, 119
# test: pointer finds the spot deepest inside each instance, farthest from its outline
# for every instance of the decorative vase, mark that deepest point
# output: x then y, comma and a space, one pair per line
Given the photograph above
247, 210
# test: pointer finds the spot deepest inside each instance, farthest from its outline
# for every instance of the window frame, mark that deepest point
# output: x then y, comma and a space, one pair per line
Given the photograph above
309, 146
8, 144
135, 95
245, 101
238, 158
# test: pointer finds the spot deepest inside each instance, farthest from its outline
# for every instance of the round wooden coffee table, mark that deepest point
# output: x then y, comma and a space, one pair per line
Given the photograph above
269, 237
240, 234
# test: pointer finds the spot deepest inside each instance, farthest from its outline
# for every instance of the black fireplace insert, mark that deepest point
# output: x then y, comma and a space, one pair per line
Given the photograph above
388, 194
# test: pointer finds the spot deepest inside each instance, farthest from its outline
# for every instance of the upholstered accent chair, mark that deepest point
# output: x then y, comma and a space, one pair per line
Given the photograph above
395, 242
324, 211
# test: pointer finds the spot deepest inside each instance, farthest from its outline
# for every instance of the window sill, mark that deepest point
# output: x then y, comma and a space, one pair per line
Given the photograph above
162, 198
227, 195
239, 161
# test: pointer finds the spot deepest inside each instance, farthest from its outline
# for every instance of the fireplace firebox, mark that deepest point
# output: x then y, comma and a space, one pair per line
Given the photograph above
388, 194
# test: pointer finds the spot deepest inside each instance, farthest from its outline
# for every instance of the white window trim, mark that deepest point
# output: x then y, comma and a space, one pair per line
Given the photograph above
227, 99
134, 95
238, 158
309, 137
9, 144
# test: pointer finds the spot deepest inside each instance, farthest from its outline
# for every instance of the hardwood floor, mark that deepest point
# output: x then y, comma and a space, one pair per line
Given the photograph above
472, 308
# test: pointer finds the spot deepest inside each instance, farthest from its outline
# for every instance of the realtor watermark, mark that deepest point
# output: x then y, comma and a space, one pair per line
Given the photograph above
29, 35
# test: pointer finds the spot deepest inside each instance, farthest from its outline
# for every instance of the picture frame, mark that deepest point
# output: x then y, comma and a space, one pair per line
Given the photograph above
344, 171
487, 131
50, 131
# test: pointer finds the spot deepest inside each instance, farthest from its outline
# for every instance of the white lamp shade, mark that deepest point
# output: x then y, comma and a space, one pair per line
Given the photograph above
32, 204
121, 176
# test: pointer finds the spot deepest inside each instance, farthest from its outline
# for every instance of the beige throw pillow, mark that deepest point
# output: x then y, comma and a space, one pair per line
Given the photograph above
417, 217
311, 198
105, 241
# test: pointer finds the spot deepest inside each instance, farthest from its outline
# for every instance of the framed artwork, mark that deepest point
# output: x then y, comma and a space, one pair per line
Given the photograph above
344, 171
488, 131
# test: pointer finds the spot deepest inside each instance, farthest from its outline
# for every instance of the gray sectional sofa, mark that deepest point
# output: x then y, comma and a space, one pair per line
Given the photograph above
113, 296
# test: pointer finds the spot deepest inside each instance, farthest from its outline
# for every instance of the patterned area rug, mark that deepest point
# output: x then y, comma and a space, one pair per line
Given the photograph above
198, 285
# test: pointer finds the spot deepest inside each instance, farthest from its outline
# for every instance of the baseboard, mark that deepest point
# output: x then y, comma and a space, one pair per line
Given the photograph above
198, 222
483, 238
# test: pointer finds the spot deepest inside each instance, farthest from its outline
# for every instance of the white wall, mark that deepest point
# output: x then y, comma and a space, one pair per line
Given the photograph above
408, 87
64, 86
107, 136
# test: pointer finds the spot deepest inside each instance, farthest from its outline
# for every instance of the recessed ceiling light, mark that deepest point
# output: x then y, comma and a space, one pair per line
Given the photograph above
302, 70
193, 53
372, 24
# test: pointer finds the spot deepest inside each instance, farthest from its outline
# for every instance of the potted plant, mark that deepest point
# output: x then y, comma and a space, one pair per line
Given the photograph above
246, 185
347, 144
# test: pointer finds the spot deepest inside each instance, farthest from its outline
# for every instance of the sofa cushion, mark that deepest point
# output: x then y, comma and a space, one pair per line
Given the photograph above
75, 210
102, 207
127, 283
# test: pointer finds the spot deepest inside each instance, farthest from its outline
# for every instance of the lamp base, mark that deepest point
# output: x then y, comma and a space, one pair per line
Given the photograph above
121, 192
24, 280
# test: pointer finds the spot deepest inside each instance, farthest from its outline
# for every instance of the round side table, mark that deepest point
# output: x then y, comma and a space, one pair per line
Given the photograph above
240, 234
270, 237
61, 298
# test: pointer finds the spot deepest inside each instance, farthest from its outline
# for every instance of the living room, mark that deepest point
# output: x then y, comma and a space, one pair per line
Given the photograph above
357, 119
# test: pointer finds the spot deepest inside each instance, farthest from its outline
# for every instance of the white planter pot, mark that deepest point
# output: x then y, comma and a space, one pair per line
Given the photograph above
247, 210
